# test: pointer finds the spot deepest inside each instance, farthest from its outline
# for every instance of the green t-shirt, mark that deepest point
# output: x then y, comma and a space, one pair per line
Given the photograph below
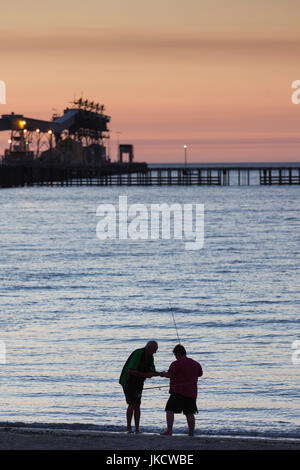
137, 360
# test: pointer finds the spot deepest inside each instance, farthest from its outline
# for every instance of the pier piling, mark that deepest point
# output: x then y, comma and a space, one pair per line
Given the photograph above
143, 175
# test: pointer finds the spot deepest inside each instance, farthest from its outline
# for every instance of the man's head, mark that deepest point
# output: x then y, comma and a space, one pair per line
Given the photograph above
179, 351
151, 347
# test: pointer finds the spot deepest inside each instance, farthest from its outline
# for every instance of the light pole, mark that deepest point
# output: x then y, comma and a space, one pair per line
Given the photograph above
38, 142
50, 138
185, 152
118, 149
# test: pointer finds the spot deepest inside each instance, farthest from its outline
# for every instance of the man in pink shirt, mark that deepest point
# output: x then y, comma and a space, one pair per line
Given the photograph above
183, 374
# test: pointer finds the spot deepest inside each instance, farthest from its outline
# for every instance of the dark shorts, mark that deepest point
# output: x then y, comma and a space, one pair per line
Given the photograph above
180, 404
133, 395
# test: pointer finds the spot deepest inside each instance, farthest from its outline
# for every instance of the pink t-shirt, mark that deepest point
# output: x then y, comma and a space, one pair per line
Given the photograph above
184, 373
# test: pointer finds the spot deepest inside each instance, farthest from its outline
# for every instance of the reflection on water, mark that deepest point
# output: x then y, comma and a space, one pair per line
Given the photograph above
73, 308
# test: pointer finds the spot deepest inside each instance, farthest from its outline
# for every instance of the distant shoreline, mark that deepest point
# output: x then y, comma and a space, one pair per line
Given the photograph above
227, 164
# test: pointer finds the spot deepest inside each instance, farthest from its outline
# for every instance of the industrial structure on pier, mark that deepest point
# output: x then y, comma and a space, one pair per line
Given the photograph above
76, 138
72, 149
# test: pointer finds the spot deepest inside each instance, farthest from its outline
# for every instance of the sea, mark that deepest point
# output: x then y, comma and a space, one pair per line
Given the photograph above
73, 307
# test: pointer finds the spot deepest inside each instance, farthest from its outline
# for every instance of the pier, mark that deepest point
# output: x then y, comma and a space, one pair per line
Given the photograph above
72, 149
141, 174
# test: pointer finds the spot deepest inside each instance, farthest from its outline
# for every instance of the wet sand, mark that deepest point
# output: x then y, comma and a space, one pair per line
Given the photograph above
51, 439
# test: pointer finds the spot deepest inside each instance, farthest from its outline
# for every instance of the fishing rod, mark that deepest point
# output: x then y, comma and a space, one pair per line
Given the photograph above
165, 386
160, 386
173, 316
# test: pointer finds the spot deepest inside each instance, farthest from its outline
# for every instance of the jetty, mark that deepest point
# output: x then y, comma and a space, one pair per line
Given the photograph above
141, 174
72, 149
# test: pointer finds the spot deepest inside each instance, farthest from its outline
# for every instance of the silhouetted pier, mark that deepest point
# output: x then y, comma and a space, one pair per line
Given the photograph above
132, 174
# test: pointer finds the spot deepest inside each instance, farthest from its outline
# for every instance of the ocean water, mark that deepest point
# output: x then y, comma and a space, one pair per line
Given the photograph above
74, 307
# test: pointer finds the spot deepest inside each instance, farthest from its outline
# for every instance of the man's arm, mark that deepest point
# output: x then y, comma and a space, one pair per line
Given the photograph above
169, 373
146, 375
165, 374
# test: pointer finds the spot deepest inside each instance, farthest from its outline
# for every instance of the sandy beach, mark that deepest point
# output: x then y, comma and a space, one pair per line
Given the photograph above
51, 439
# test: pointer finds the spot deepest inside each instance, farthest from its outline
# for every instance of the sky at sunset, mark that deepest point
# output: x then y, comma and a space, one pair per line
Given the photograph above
214, 75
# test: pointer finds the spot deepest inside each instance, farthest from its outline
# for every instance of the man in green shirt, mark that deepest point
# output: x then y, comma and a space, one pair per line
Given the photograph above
138, 367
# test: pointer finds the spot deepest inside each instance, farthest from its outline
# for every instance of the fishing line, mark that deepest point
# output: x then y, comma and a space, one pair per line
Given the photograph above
174, 322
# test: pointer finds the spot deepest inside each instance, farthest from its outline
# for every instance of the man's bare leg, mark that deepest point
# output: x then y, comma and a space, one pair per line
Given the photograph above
191, 423
133, 411
129, 415
137, 415
170, 422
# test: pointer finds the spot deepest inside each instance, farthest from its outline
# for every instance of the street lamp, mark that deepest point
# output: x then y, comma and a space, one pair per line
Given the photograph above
50, 133
22, 124
185, 152
118, 145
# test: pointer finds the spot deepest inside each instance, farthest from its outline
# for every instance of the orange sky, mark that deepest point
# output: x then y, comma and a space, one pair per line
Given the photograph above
213, 75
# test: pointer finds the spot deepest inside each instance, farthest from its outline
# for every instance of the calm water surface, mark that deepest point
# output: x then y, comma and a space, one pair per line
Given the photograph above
74, 307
